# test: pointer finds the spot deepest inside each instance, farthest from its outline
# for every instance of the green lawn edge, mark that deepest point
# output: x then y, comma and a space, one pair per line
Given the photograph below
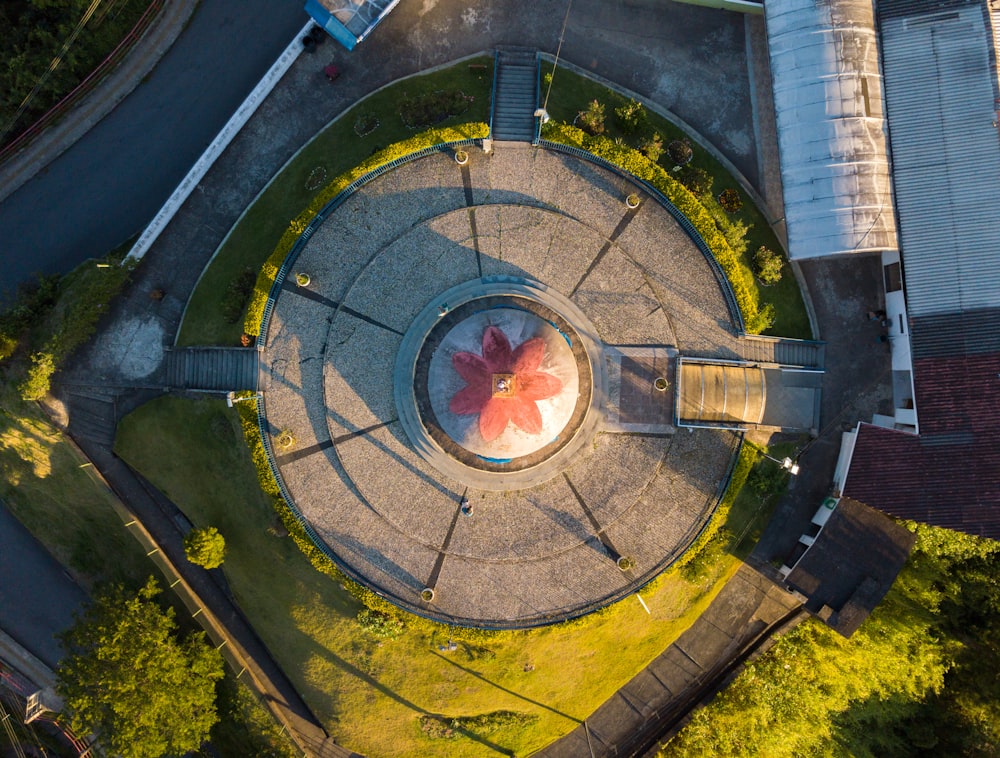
374, 695
303, 186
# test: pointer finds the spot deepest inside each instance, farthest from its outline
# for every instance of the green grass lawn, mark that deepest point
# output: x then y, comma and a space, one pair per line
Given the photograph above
571, 93
50, 488
370, 694
333, 151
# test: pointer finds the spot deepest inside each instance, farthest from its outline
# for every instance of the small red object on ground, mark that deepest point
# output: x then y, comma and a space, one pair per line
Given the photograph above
332, 72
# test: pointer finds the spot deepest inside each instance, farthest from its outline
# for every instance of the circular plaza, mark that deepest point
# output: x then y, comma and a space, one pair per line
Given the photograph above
471, 401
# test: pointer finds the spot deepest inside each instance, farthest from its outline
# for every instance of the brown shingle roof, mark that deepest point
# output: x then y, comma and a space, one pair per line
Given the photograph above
949, 475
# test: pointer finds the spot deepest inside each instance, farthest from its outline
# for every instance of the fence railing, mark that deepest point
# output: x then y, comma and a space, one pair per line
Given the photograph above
85, 86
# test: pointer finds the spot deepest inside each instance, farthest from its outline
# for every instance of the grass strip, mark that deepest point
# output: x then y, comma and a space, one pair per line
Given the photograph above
510, 692
364, 134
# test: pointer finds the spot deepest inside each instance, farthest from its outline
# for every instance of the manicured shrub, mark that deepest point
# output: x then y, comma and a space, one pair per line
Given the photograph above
768, 265
680, 152
205, 547
631, 116
697, 180
652, 147
592, 119
730, 200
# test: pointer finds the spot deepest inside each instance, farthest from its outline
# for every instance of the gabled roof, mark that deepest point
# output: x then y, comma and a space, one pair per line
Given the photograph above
941, 91
852, 564
831, 136
949, 475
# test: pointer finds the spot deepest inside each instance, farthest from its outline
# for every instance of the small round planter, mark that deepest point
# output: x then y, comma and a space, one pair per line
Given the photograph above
660, 384
632, 201
285, 440
461, 157
303, 280
625, 563
427, 595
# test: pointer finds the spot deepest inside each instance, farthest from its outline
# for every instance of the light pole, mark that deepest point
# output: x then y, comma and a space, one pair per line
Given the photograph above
786, 463
231, 398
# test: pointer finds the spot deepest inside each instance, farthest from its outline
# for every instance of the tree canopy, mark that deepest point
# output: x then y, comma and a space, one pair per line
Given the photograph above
205, 547
918, 678
131, 679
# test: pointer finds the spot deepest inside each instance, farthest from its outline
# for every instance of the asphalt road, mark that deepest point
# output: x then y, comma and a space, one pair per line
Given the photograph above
37, 598
107, 186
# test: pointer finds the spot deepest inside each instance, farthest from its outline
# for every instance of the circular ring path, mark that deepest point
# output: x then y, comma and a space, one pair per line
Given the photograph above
541, 542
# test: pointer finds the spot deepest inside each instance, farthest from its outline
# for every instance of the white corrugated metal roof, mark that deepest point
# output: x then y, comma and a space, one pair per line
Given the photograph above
940, 96
831, 138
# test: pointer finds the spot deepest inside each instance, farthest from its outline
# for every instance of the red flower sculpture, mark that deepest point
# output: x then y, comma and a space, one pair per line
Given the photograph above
503, 385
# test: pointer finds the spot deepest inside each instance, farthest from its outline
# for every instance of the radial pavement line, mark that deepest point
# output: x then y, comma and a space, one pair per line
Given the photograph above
615, 234
334, 305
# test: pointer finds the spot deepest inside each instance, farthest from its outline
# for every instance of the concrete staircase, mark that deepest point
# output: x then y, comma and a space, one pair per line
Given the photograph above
92, 416
212, 368
515, 100
785, 352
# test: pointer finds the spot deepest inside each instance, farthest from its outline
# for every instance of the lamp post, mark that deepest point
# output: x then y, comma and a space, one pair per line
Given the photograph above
786, 463
231, 398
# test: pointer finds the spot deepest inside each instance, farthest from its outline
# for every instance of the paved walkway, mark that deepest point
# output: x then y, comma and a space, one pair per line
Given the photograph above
745, 612
385, 257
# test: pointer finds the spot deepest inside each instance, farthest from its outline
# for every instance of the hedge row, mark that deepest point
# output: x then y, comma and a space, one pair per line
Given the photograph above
320, 560
757, 318
255, 310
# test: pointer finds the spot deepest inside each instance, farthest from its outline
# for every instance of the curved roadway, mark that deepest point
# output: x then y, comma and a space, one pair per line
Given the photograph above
107, 186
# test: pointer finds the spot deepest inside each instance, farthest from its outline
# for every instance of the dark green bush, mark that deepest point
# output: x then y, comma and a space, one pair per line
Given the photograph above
730, 200
427, 110
697, 180
680, 151
237, 295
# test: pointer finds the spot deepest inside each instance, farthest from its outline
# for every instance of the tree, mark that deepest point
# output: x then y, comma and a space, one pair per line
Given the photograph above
129, 678
592, 119
205, 547
768, 265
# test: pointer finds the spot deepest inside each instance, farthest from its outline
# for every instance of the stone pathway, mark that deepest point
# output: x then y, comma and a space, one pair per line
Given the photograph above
527, 556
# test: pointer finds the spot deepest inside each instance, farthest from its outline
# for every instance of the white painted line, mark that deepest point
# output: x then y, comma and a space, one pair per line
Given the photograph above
220, 143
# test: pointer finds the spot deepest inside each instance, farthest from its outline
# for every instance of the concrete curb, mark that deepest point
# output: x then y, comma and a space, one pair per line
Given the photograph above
219, 144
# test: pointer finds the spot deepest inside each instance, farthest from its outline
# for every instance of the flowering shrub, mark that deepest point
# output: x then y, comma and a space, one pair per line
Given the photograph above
730, 200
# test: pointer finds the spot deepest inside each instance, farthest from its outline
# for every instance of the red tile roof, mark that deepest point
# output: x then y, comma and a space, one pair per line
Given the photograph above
949, 475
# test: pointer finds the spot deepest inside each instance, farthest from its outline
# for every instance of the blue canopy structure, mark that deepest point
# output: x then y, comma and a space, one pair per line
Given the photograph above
349, 21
